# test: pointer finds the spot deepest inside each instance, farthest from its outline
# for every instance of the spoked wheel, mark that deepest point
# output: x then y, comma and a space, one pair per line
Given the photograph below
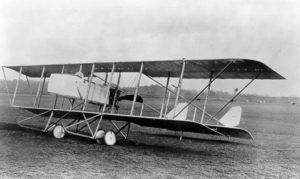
99, 136
110, 138
59, 132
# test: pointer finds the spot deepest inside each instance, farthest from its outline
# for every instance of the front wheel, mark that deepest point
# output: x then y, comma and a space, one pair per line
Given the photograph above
99, 136
59, 132
110, 138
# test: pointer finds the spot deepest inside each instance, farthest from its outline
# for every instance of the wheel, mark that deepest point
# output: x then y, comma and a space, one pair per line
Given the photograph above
59, 132
110, 138
99, 136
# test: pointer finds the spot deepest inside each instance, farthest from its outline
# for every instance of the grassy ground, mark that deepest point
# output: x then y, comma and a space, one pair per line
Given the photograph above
154, 153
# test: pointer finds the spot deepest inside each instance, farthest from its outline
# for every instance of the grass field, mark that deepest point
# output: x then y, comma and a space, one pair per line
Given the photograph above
155, 153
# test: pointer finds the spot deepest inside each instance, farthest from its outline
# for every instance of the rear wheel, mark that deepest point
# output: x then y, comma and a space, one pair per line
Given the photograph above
110, 138
59, 132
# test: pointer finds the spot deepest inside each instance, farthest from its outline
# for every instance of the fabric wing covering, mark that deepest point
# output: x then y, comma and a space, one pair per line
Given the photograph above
194, 69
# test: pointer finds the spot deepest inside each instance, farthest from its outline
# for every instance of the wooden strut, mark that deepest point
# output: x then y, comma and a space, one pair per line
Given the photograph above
70, 110
49, 120
178, 89
31, 92
206, 98
40, 98
85, 119
165, 95
170, 91
120, 129
89, 86
107, 99
189, 103
39, 87
5, 80
17, 85
233, 97
90, 122
137, 89
116, 93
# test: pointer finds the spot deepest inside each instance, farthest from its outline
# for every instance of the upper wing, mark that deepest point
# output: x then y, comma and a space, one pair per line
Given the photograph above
194, 69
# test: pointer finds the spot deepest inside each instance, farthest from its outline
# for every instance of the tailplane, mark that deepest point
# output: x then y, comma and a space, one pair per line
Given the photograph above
232, 118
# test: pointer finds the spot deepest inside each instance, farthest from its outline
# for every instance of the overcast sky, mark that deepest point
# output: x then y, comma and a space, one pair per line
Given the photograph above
65, 31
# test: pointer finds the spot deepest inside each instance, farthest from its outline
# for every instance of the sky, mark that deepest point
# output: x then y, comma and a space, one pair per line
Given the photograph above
78, 31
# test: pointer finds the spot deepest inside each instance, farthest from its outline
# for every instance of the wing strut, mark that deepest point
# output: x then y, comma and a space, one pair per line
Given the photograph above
137, 88
165, 95
178, 89
237, 94
39, 88
211, 81
107, 97
17, 85
6, 85
206, 98
170, 91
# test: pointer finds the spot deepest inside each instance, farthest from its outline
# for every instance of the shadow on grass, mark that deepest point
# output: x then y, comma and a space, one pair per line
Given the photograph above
209, 139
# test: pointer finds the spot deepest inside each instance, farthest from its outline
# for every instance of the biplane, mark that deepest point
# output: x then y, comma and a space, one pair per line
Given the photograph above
82, 99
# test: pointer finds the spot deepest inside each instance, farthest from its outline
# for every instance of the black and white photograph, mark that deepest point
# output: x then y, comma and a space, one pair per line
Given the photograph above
150, 89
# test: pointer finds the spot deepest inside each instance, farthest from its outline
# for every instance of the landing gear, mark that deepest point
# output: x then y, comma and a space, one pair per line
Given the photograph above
110, 138
51, 127
59, 132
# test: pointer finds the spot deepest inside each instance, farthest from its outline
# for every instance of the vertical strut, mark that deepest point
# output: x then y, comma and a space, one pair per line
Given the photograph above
55, 101
206, 97
89, 86
63, 100
6, 86
39, 88
41, 93
142, 109
63, 68
167, 105
116, 93
17, 85
137, 89
179, 87
165, 95
105, 81
30, 88
80, 68
107, 100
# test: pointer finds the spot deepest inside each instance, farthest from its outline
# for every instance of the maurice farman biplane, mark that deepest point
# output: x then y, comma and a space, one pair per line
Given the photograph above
82, 100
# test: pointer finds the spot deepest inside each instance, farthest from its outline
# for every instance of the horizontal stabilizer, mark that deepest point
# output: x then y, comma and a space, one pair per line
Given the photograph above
232, 118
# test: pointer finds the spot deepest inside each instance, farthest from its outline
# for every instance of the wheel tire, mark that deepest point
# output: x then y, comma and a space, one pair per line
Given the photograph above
110, 138
99, 136
59, 132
